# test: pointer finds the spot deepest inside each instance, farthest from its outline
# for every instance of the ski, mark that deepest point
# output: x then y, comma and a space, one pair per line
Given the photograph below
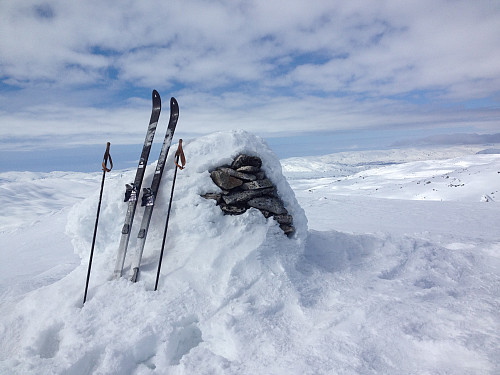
149, 194
133, 189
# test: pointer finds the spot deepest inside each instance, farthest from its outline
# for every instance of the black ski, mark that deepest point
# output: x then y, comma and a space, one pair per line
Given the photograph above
149, 194
133, 190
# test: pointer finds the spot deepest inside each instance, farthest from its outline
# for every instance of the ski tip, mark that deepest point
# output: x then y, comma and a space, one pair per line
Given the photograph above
174, 104
156, 99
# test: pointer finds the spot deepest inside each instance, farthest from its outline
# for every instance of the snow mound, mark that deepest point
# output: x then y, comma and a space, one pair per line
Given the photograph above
197, 226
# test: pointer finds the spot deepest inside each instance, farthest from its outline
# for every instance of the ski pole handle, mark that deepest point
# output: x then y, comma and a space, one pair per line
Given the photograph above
105, 160
180, 154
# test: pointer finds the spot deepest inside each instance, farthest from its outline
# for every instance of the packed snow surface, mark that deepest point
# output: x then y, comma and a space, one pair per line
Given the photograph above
394, 269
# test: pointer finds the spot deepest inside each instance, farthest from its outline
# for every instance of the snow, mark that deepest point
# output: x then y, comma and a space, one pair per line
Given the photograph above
394, 269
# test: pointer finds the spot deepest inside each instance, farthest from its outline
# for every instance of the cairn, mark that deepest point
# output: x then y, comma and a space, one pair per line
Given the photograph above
245, 185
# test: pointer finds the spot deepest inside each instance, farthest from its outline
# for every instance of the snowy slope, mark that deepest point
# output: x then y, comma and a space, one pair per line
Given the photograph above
30, 195
346, 163
468, 178
383, 281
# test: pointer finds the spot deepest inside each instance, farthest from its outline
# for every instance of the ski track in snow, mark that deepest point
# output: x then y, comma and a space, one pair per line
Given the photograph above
395, 275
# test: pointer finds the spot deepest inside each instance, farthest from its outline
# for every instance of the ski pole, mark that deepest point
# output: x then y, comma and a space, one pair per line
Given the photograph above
178, 154
104, 170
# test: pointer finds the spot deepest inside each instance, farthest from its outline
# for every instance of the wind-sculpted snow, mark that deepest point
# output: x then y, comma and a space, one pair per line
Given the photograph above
25, 195
374, 286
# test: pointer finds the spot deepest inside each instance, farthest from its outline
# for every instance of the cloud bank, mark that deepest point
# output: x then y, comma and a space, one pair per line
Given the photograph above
81, 70
452, 139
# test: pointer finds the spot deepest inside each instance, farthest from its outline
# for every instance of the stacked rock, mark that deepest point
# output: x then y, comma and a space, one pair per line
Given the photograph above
245, 185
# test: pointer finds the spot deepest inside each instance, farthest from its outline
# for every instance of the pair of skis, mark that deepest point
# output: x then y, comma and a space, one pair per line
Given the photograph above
149, 194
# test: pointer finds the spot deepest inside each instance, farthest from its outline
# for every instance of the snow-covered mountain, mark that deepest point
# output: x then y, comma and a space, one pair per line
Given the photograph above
394, 269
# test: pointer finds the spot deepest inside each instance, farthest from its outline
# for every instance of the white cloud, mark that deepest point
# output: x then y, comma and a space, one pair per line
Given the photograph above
348, 64
201, 113
454, 139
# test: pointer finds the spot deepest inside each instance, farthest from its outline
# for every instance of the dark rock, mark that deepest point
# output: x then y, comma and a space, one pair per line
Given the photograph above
240, 175
287, 229
243, 196
284, 219
246, 160
270, 204
233, 210
248, 169
266, 214
260, 175
224, 180
245, 185
257, 184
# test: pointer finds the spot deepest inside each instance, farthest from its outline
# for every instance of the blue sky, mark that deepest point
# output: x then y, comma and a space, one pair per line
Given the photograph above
75, 74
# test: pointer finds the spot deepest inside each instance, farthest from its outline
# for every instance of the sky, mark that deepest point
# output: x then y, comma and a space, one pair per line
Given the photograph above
308, 76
